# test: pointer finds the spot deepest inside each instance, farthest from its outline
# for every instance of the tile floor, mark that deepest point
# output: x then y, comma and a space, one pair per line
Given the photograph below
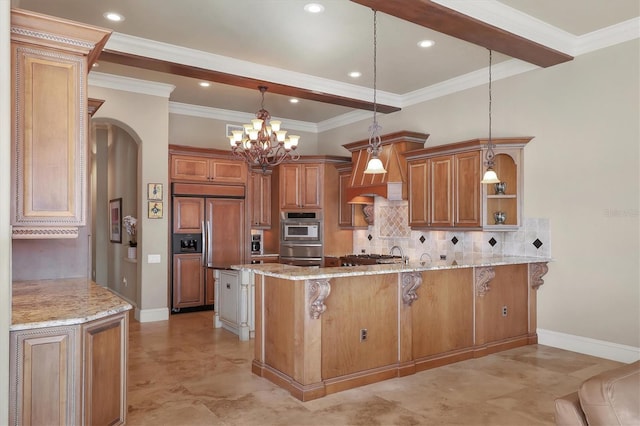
184, 372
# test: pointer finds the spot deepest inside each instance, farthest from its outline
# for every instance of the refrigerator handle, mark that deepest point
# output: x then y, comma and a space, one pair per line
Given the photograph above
209, 258
204, 244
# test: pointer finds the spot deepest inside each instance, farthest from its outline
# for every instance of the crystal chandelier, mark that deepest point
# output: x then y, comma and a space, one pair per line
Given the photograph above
490, 175
374, 166
262, 143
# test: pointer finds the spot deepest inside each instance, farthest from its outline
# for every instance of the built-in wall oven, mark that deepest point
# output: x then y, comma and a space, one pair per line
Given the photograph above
301, 238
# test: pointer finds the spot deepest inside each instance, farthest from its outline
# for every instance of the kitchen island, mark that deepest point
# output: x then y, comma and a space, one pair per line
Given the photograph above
68, 353
323, 330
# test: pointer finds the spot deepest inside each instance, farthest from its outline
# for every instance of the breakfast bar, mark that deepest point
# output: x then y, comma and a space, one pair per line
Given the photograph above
324, 330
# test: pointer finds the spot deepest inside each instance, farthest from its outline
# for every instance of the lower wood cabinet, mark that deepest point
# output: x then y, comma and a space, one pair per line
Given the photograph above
70, 374
188, 281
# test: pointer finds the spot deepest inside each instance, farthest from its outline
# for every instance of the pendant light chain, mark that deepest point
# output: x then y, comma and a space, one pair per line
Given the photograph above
375, 62
490, 153
374, 129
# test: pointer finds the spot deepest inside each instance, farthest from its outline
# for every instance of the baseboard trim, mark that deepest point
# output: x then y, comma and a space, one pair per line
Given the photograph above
151, 315
588, 346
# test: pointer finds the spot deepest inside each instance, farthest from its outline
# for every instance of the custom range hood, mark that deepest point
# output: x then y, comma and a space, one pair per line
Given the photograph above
393, 184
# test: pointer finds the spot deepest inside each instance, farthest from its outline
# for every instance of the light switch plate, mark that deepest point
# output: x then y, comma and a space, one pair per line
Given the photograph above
153, 258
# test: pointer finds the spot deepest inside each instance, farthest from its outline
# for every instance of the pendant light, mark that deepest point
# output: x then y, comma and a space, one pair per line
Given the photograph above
490, 175
374, 166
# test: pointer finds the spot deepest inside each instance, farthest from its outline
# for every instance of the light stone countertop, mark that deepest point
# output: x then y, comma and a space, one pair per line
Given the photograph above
289, 272
49, 303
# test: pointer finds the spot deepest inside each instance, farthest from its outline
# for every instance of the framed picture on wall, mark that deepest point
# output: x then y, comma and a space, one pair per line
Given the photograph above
154, 191
115, 220
155, 210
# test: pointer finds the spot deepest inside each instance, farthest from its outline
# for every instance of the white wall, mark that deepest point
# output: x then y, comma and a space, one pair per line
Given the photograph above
5, 202
145, 117
210, 133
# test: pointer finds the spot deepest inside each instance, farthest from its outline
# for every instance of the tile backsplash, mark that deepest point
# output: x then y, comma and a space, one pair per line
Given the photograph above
390, 228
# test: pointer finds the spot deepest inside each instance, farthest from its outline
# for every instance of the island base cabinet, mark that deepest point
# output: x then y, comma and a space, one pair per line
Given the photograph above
502, 308
45, 371
70, 375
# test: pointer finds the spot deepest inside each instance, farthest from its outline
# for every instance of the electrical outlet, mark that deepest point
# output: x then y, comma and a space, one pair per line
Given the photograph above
153, 258
504, 311
363, 334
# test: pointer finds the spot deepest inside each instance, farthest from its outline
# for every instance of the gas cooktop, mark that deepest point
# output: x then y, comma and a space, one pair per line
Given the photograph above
368, 259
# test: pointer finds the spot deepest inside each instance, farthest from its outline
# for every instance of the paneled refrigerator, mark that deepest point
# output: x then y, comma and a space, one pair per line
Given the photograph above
208, 233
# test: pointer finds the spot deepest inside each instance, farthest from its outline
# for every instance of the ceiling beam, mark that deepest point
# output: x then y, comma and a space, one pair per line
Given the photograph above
432, 15
238, 81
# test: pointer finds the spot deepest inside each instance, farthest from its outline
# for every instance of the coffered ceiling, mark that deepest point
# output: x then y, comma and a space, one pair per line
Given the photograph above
240, 44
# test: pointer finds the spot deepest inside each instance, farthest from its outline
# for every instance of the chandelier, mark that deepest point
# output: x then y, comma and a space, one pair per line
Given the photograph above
262, 143
490, 175
374, 166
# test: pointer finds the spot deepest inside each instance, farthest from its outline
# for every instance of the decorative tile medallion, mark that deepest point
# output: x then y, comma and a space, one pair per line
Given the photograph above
537, 243
393, 221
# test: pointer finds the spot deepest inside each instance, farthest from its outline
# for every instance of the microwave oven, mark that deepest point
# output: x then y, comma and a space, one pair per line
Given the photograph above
300, 231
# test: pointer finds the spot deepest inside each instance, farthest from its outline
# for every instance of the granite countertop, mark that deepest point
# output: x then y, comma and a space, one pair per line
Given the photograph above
289, 272
49, 303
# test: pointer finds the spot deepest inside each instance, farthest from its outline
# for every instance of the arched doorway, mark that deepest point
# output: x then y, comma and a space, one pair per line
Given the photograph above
114, 179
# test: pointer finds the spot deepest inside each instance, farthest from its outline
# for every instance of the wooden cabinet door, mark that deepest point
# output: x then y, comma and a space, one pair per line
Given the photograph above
226, 243
105, 371
345, 212
290, 183
260, 198
45, 365
189, 168
209, 290
467, 189
502, 309
227, 171
446, 299
441, 191
301, 186
188, 215
418, 173
50, 141
188, 280
311, 187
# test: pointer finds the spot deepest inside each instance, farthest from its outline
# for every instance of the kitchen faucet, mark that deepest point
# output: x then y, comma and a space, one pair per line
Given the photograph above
404, 259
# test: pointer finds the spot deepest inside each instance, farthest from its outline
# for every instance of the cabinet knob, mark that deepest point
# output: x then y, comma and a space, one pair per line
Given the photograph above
229, 286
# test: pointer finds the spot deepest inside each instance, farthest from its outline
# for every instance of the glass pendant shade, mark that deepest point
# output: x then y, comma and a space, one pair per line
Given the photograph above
490, 176
374, 167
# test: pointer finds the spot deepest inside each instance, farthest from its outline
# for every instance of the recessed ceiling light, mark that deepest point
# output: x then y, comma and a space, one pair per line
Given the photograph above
426, 43
294, 100
355, 74
204, 84
313, 8
113, 16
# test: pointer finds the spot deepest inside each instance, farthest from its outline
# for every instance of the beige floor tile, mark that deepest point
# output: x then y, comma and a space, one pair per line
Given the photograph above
184, 372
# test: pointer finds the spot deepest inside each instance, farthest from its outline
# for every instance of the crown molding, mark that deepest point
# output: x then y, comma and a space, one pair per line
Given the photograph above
171, 53
128, 84
235, 116
607, 37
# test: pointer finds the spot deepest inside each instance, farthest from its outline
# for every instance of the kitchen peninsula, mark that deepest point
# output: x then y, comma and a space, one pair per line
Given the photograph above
324, 330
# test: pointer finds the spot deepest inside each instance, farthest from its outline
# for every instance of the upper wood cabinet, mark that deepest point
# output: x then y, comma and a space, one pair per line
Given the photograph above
301, 186
445, 190
196, 168
50, 62
260, 200
352, 215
